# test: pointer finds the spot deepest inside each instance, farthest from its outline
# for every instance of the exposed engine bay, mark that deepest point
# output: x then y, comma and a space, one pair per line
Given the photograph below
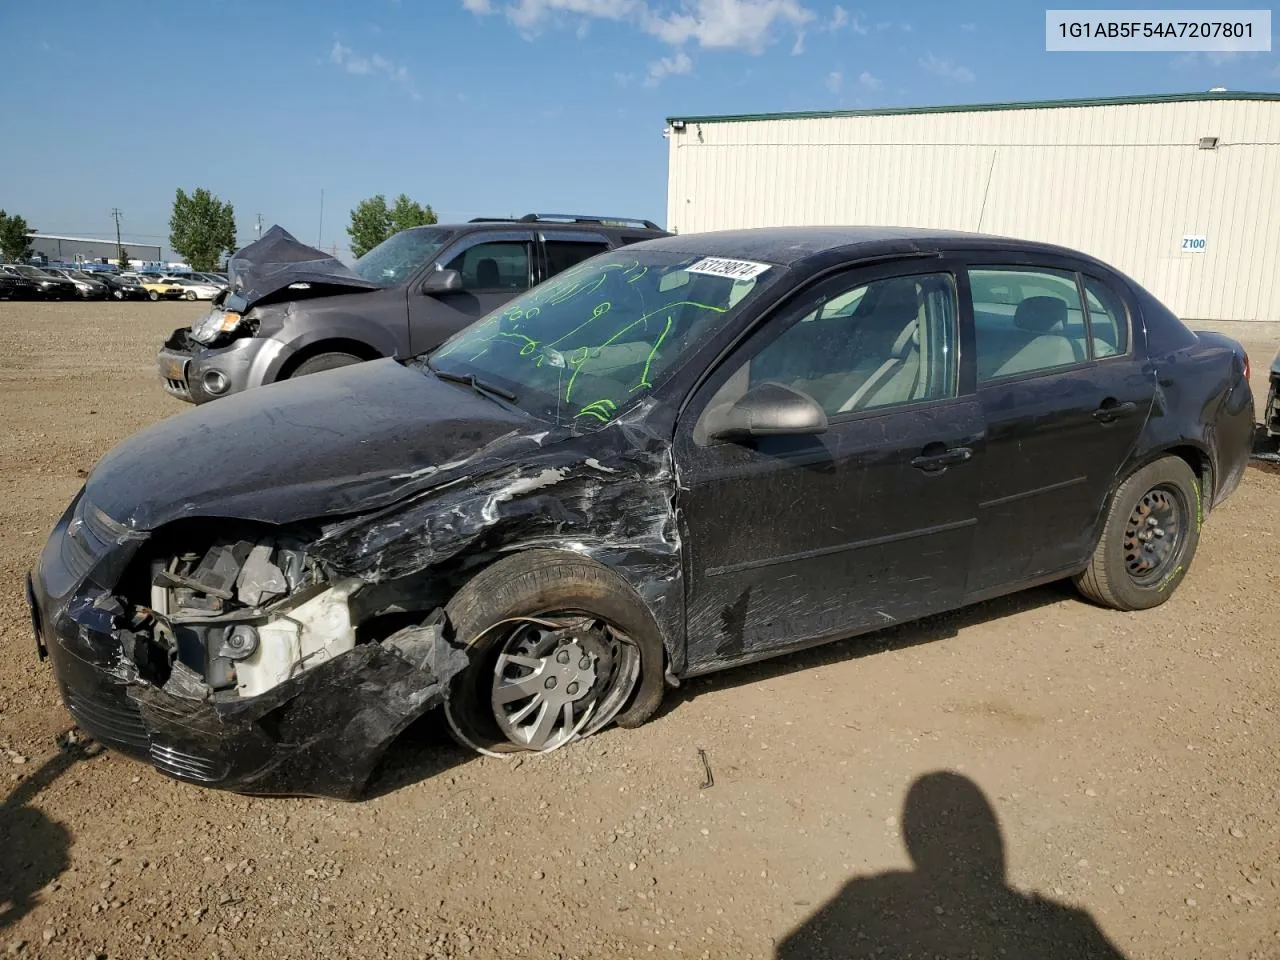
243, 617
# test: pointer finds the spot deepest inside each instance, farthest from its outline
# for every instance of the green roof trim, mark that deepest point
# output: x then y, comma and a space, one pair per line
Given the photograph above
985, 107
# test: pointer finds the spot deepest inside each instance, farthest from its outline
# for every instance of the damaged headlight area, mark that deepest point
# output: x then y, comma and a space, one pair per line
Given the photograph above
242, 616
217, 323
247, 664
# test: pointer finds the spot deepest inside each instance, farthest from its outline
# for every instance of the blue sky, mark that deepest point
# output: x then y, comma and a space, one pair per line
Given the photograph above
478, 107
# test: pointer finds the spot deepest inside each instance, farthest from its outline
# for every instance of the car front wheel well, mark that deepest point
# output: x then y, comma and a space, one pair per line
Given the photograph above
356, 348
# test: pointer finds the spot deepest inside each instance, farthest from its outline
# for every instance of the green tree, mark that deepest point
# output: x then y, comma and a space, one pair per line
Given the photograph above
372, 221
123, 262
202, 228
370, 225
15, 239
409, 213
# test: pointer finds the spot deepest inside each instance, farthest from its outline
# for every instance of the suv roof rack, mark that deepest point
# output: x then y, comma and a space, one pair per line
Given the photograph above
634, 222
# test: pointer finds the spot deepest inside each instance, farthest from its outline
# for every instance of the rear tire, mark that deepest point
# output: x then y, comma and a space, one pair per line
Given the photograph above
152, 296
191, 294
1149, 538
548, 584
324, 361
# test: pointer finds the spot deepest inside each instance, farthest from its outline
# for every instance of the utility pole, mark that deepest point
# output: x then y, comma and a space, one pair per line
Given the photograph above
258, 226
115, 213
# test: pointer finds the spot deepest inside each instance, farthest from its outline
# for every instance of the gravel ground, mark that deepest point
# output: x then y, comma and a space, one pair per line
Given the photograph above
1129, 759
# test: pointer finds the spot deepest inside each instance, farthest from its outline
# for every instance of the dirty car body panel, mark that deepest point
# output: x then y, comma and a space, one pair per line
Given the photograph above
250, 595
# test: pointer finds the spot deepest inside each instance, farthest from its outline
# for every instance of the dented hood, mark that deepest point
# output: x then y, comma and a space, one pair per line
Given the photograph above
344, 441
276, 260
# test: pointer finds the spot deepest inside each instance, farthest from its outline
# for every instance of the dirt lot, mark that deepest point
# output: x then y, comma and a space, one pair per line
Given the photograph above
1130, 759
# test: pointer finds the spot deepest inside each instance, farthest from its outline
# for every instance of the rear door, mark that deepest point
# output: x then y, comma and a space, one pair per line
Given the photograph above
1064, 394
562, 249
495, 266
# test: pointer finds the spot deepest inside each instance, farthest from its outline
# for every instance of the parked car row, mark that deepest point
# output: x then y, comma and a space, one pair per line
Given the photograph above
22, 281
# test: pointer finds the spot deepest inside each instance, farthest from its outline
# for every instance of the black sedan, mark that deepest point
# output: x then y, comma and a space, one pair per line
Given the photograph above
51, 286
16, 287
676, 457
122, 288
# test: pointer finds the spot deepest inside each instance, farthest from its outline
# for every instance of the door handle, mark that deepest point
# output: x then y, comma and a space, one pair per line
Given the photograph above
1111, 410
930, 462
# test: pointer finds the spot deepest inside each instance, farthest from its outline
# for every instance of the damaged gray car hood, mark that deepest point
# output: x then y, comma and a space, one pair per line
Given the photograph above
347, 440
277, 261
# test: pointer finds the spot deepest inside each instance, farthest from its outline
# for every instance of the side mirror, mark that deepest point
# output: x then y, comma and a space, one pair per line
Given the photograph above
442, 281
769, 410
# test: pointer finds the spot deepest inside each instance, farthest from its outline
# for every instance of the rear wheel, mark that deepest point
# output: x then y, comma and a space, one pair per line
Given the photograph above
191, 294
152, 295
1149, 539
325, 361
559, 647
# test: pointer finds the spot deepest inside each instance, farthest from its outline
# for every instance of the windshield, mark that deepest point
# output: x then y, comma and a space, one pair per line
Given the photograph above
590, 341
79, 274
31, 272
398, 258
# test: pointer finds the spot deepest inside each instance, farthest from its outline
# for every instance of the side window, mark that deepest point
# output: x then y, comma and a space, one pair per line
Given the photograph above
1108, 319
882, 343
1026, 320
500, 265
563, 254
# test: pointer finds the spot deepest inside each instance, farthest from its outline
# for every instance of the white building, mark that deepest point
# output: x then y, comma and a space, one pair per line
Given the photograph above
1181, 191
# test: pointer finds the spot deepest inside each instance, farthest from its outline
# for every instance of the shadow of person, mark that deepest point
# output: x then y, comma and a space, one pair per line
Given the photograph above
33, 848
955, 903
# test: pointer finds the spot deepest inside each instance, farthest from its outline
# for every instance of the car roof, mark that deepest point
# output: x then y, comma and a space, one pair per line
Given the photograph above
635, 228
793, 246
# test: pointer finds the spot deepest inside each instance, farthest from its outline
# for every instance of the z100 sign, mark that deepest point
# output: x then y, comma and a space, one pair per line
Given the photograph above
1193, 244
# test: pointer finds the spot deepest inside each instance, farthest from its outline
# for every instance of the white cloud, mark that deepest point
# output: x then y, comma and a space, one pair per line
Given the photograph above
748, 25
727, 24
942, 67
835, 80
624, 79
347, 60
870, 82
841, 18
797, 48
968, 27
679, 62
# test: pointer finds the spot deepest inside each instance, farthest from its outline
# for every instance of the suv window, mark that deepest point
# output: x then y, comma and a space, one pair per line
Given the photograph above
1026, 320
873, 345
500, 265
1108, 319
563, 254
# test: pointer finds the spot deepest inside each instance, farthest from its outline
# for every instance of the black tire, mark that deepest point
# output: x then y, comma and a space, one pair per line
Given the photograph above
544, 583
1116, 576
191, 294
324, 361
119, 295
152, 296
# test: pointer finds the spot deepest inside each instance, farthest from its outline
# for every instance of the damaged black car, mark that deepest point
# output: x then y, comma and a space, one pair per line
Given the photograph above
673, 458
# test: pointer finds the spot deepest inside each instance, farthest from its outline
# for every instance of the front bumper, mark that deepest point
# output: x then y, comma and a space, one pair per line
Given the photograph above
197, 374
320, 733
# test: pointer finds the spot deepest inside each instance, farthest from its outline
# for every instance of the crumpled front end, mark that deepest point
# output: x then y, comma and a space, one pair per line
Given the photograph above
241, 666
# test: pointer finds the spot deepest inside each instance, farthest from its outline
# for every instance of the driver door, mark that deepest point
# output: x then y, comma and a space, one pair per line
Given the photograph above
495, 266
791, 540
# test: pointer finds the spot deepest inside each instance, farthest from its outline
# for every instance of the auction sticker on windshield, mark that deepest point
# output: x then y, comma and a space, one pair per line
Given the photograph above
732, 269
